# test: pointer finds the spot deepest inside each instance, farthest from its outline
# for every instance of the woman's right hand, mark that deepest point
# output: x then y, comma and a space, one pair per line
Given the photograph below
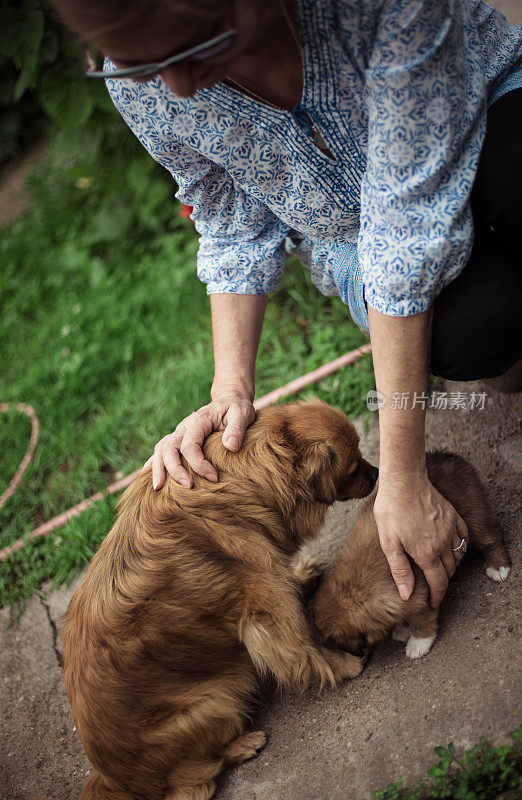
230, 411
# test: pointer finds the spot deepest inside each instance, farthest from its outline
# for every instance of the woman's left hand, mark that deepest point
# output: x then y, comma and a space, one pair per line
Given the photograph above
413, 517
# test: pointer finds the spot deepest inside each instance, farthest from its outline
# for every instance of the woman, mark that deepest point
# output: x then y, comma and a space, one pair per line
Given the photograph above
353, 129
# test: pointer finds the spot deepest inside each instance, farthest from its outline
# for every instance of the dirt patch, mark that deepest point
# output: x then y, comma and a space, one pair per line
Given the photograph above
345, 743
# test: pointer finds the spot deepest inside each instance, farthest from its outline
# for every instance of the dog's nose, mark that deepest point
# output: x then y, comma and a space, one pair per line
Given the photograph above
374, 474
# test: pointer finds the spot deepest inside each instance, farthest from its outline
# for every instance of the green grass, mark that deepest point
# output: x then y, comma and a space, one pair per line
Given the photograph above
482, 773
105, 331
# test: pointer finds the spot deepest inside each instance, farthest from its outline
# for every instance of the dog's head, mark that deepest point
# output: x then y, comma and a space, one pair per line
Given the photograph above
326, 448
341, 621
296, 458
357, 604
307, 449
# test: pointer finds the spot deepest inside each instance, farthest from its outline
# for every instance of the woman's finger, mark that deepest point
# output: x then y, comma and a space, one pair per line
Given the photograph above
449, 562
238, 419
462, 529
437, 579
400, 569
175, 468
459, 544
191, 449
158, 468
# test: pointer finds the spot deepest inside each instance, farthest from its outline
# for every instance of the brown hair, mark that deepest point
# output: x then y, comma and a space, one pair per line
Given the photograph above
96, 18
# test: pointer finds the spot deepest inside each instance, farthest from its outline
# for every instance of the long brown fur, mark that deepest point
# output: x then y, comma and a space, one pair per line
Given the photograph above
358, 603
191, 594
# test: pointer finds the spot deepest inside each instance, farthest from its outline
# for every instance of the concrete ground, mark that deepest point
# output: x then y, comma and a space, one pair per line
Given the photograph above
347, 742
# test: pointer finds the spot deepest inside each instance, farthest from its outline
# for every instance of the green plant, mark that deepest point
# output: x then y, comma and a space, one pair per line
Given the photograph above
41, 68
483, 773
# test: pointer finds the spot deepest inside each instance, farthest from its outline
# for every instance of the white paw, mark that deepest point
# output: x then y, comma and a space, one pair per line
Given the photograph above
419, 647
497, 574
401, 633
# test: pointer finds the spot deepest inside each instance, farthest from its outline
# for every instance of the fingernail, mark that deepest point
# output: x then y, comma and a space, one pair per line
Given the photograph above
404, 591
184, 482
233, 442
211, 476
154, 484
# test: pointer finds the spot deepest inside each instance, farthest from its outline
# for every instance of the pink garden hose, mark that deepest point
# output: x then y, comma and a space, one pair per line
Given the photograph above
56, 522
35, 428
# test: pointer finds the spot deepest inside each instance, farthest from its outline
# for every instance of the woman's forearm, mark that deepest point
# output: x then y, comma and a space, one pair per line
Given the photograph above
401, 354
237, 322
413, 519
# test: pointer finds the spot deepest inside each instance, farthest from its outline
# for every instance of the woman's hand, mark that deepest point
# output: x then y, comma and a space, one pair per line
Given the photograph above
237, 321
230, 411
413, 517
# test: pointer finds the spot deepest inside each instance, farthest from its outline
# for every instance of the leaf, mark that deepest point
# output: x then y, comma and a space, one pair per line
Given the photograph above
50, 48
10, 32
25, 79
92, 138
32, 33
65, 99
101, 96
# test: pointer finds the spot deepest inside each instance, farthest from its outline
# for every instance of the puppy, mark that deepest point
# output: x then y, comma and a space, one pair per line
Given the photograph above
191, 594
358, 603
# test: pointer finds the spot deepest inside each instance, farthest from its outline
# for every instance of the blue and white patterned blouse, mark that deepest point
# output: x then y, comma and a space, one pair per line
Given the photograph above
398, 90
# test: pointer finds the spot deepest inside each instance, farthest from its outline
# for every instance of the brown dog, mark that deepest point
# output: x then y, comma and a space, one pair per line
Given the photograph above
191, 593
358, 604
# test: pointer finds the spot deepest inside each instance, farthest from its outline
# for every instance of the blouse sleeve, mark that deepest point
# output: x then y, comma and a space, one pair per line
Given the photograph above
241, 246
426, 97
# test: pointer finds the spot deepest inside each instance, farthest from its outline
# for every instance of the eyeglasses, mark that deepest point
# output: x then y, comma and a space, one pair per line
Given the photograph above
212, 47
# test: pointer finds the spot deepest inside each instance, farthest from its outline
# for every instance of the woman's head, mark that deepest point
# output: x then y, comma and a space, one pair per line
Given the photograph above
98, 20
132, 32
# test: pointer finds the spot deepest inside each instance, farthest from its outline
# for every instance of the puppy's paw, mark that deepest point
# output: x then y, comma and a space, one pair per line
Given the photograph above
401, 633
245, 747
344, 666
306, 568
416, 648
499, 574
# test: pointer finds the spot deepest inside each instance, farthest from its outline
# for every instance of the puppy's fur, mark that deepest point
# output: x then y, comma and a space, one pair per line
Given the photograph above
191, 593
358, 604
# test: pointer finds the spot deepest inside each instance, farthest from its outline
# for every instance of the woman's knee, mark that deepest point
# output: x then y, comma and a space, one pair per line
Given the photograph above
496, 199
463, 364
472, 346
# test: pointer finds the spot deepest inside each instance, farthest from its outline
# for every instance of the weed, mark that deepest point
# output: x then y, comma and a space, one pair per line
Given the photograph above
483, 773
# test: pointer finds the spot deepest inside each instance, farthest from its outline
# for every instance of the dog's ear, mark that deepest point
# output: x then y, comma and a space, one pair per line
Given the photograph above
318, 464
